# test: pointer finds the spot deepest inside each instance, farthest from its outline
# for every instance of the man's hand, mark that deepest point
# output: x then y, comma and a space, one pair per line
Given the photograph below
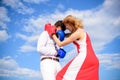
50, 29
61, 53
60, 34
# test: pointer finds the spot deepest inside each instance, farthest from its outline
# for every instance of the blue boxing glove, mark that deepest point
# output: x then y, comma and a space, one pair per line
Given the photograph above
61, 53
60, 35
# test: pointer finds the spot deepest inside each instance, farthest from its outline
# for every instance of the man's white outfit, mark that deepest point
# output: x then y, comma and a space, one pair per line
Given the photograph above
46, 47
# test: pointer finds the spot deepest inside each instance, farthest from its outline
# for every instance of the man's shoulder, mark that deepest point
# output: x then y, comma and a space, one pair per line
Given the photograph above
45, 33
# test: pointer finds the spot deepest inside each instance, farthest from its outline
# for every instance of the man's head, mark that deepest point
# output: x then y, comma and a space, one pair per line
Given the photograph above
60, 26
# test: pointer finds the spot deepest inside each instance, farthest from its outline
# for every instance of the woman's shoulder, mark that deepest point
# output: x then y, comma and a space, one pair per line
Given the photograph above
81, 33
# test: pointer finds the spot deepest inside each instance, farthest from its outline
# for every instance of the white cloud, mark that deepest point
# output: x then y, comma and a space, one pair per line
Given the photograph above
3, 35
10, 68
8, 61
117, 22
33, 25
27, 48
22, 36
36, 1
3, 18
28, 39
18, 6
110, 61
29, 42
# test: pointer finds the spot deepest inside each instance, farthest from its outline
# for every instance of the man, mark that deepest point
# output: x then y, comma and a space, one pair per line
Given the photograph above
50, 53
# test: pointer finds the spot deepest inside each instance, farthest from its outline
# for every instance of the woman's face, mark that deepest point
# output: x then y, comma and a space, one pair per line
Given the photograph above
68, 27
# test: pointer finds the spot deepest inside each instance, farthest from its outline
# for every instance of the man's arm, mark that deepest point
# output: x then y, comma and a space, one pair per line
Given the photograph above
41, 45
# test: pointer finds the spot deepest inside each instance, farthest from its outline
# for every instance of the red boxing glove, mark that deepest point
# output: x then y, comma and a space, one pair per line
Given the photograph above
50, 29
47, 26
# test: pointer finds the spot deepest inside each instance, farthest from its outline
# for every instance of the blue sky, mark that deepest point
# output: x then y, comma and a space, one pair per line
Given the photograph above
22, 21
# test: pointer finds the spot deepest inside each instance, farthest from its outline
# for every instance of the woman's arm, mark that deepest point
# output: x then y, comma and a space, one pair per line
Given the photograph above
67, 35
74, 36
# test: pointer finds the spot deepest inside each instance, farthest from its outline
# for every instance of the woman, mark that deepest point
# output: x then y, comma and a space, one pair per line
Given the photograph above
85, 66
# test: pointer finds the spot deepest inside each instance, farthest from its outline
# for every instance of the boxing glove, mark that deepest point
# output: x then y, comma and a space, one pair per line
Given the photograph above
47, 26
50, 29
60, 35
61, 53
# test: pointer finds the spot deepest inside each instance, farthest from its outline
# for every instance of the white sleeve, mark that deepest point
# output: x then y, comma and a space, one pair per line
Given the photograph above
41, 45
